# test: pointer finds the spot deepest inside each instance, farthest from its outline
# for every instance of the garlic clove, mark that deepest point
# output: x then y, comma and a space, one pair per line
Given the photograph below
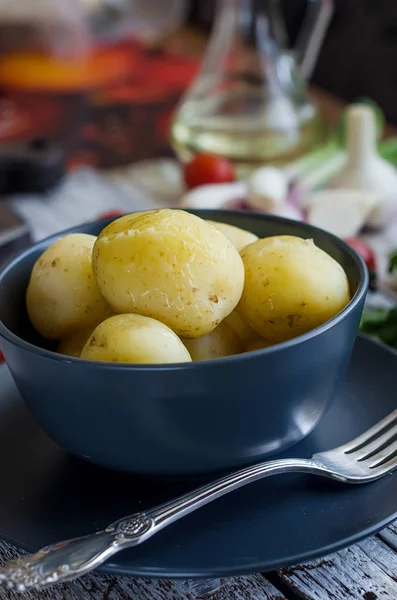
267, 189
289, 211
214, 195
386, 176
367, 201
343, 212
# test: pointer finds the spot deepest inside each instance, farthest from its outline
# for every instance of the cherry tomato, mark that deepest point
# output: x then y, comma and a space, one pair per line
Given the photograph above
110, 214
368, 256
207, 168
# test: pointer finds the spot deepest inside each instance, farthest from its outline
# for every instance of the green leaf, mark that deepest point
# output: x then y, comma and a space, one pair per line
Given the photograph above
392, 261
388, 150
380, 323
388, 334
372, 318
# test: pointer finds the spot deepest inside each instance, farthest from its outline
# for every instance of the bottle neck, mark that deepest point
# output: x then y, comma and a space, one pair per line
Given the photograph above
254, 20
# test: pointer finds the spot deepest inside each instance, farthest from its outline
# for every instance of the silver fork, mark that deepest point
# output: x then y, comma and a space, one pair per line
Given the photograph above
368, 457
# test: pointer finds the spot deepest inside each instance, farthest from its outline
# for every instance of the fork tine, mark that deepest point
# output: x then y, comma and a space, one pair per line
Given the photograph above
368, 435
383, 456
386, 467
376, 446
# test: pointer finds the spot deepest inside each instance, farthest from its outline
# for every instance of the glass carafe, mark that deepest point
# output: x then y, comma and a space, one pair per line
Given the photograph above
249, 101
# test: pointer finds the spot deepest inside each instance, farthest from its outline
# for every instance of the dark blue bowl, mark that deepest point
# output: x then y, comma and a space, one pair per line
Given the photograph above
187, 419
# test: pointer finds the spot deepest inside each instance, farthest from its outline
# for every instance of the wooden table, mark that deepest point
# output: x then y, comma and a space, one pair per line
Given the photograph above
366, 571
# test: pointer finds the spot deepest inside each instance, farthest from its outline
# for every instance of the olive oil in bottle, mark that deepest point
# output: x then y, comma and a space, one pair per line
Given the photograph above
249, 102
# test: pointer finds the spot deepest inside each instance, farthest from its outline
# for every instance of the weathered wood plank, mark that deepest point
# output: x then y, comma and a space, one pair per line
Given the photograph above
98, 586
356, 573
255, 587
389, 536
367, 571
382, 555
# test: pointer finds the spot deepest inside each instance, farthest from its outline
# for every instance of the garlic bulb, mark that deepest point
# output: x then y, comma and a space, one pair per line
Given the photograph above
343, 212
365, 170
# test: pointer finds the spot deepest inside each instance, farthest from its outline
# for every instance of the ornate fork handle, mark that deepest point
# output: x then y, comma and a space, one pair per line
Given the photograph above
70, 559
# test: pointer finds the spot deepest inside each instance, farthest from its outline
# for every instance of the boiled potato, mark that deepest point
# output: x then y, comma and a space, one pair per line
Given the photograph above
222, 341
169, 265
74, 343
238, 237
63, 295
243, 330
134, 339
257, 344
291, 287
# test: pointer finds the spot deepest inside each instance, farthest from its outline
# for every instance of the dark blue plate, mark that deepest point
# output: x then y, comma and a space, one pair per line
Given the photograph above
47, 495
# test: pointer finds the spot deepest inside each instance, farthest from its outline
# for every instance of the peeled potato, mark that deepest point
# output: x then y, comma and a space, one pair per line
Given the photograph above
74, 343
134, 339
243, 330
169, 265
291, 287
222, 341
238, 237
257, 344
63, 295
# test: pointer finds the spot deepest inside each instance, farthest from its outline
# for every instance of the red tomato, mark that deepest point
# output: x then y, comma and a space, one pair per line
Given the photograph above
364, 251
368, 256
1, 357
207, 168
110, 214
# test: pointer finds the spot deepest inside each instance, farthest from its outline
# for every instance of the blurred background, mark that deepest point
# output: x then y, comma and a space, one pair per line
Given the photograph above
108, 106
146, 53
359, 52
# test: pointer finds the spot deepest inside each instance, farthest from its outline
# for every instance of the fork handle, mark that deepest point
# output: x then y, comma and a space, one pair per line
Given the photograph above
174, 510
68, 560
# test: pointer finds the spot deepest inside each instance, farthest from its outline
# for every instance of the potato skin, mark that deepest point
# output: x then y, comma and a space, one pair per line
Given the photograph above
134, 339
240, 238
63, 295
222, 341
169, 265
291, 287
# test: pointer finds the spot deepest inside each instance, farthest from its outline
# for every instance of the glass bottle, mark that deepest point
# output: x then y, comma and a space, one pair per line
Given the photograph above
249, 101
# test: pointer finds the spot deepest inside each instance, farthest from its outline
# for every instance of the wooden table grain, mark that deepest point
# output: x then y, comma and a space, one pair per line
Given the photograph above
366, 571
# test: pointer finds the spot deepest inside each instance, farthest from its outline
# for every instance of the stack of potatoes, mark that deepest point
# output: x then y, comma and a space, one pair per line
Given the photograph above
166, 286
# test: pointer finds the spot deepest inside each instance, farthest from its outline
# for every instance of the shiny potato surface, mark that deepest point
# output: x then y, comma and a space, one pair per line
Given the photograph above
291, 286
63, 295
169, 265
134, 339
238, 237
222, 341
